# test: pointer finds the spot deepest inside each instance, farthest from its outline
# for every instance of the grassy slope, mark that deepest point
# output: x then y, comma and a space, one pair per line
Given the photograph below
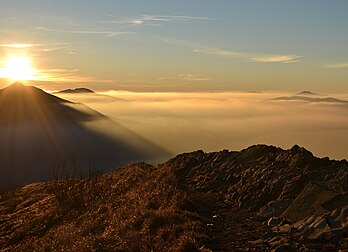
139, 207
170, 207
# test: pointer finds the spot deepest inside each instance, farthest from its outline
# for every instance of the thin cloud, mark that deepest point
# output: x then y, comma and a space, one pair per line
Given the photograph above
191, 77
109, 34
219, 52
248, 56
160, 19
17, 46
63, 75
33, 47
341, 65
185, 77
103, 33
66, 47
156, 20
9, 19
51, 49
42, 28
277, 59
253, 57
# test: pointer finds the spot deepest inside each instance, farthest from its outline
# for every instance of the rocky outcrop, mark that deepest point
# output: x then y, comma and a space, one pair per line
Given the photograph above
308, 192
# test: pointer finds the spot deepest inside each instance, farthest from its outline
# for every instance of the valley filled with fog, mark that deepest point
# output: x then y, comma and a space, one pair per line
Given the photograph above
183, 122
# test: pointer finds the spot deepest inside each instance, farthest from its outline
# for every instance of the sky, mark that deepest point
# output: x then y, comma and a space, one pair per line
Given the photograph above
178, 46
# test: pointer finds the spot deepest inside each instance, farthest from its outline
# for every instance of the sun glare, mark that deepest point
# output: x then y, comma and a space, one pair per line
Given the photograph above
18, 68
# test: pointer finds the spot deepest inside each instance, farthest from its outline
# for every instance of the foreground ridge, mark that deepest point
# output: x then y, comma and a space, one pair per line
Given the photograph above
261, 198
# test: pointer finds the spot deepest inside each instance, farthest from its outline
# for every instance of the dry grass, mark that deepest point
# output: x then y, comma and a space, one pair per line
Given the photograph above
137, 208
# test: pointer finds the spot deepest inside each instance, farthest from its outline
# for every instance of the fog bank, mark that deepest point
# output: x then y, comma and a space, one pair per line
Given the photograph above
182, 122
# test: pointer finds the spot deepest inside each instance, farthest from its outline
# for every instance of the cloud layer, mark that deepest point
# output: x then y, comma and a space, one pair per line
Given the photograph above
183, 122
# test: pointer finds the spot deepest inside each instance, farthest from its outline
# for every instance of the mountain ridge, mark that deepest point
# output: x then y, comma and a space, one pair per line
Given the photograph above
306, 92
197, 201
310, 99
76, 91
39, 131
21, 103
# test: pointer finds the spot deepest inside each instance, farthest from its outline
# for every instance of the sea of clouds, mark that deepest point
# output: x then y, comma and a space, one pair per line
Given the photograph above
212, 121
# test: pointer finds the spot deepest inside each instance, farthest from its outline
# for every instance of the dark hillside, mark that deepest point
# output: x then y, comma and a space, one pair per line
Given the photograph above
38, 129
262, 198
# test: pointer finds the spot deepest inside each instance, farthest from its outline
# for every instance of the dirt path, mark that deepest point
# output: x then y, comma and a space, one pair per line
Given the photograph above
231, 229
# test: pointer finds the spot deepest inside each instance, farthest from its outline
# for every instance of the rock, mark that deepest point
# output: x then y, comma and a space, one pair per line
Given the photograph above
333, 235
309, 202
296, 193
258, 242
274, 221
285, 248
302, 238
277, 241
320, 223
344, 244
269, 234
284, 222
246, 204
274, 208
332, 222
345, 231
285, 228
340, 216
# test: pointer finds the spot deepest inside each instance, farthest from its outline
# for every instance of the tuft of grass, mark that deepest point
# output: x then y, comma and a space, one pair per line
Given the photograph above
187, 244
72, 192
158, 221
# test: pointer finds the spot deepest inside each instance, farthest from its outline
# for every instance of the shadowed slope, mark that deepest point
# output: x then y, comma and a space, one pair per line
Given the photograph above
38, 130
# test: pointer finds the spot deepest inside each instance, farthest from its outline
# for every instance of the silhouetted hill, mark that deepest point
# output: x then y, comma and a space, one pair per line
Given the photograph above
40, 132
309, 99
262, 198
76, 91
306, 93
27, 104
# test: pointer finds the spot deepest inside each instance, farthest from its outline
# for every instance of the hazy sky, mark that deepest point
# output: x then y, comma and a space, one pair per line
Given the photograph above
191, 45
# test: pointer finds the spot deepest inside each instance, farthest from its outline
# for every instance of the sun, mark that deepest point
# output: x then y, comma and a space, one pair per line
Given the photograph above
18, 68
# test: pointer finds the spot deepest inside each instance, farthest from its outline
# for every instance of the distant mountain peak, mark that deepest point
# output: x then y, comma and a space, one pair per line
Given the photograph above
24, 94
76, 91
310, 99
17, 84
306, 92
